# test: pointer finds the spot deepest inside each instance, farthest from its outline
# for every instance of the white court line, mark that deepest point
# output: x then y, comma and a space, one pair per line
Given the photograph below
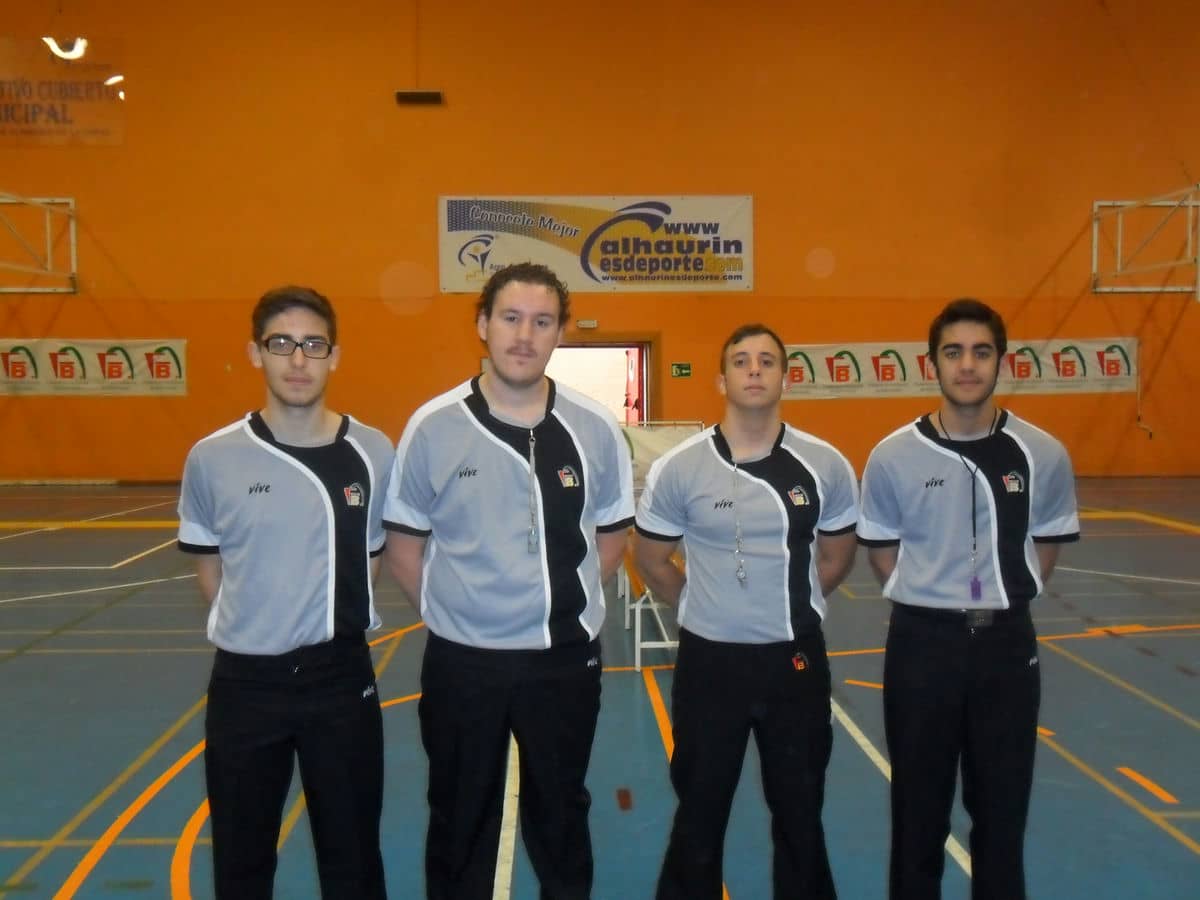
502, 884
9, 537
109, 568
1186, 581
96, 590
956, 850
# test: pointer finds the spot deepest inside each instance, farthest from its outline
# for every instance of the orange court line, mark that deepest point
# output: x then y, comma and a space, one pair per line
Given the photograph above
399, 632
1045, 731
181, 860
664, 727
80, 817
393, 639
1127, 798
660, 711
407, 698
1141, 780
93, 856
869, 684
659, 667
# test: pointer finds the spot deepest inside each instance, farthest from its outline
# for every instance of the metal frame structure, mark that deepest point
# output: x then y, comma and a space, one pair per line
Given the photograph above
1185, 200
638, 598
44, 266
635, 596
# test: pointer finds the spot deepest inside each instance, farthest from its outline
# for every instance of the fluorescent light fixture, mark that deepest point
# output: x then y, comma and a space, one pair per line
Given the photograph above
120, 95
78, 48
114, 79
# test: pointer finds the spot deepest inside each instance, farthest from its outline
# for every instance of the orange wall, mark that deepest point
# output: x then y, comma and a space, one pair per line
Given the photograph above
935, 149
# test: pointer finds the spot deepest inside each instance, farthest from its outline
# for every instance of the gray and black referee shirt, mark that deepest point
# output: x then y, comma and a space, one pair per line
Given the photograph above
696, 494
917, 492
295, 527
462, 478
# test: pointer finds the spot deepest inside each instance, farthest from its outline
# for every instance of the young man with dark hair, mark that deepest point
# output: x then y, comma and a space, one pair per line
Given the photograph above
510, 500
766, 515
963, 515
283, 510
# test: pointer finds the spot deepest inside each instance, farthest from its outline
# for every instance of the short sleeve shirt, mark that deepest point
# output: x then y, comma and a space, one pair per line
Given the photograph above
777, 505
511, 513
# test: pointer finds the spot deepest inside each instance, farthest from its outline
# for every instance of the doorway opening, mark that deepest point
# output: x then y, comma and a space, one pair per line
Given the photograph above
613, 375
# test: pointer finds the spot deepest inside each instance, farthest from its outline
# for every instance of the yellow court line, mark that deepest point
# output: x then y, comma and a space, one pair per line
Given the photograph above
1046, 731
92, 857
1181, 814
1142, 781
35, 843
1101, 631
1148, 533
63, 833
84, 868
1124, 685
1127, 798
864, 652
77, 525
849, 593
867, 684
1113, 515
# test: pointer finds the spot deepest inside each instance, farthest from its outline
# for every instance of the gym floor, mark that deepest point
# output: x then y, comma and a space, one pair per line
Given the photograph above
104, 663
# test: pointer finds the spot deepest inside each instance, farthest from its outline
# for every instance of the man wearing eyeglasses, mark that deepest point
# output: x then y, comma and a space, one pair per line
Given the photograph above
282, 510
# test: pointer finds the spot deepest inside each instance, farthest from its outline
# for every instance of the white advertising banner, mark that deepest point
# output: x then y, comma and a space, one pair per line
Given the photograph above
96, 368
1059, 366
600, 243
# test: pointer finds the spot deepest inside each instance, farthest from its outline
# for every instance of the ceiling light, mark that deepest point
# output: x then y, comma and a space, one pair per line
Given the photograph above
114, 79
78, 48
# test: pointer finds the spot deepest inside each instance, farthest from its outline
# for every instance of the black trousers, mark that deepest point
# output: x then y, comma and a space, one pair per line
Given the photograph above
471, 700
319, 705
721, 693
957, 696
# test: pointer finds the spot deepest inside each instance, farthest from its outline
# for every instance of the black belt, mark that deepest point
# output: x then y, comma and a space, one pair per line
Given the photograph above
969, 618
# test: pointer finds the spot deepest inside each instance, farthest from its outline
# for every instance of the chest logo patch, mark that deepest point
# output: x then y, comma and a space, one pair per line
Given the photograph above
354, 494
567, 476
259, 488
798, 496
723, 504
1014, 483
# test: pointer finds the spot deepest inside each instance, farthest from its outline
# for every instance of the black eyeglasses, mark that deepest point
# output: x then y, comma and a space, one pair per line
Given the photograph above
282, 345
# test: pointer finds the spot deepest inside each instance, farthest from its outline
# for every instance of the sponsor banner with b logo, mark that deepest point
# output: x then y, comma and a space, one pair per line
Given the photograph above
96, 368
1060, 366
600, 243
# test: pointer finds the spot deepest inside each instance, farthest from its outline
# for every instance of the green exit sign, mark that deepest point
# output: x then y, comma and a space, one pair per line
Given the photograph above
681, 370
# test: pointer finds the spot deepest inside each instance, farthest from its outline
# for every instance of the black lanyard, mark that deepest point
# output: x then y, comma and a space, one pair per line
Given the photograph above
976, 586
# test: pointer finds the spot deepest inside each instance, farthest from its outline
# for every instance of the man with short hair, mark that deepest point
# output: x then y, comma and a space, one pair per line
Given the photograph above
510, 500
766, 515
283, 510
963, 515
